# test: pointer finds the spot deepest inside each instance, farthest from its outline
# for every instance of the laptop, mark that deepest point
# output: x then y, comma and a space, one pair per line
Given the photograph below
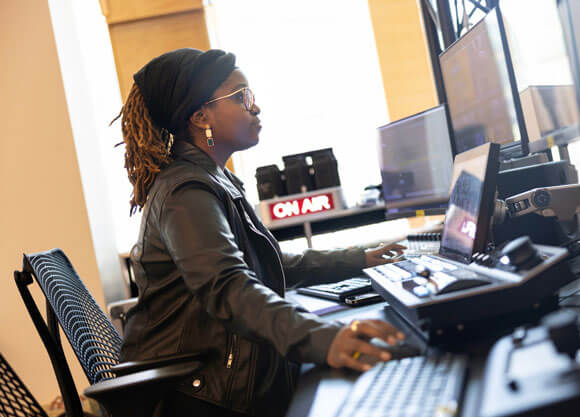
419, 280
471, 203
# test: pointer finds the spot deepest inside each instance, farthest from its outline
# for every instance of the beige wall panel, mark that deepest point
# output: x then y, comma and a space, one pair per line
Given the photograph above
43, 205
403, 57
124, 10
135, 43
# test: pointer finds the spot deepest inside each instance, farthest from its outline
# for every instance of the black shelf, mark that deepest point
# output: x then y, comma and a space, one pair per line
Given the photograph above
351, 218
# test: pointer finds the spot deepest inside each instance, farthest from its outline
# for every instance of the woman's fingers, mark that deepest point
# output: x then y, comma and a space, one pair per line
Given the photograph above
393, 248
349, 358
371, 350
349, 362
381, 255
387, 328
397, 248
353, 340
391, 251
377, 328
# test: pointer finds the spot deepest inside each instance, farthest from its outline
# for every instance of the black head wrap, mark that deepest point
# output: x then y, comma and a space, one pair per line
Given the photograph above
177, 83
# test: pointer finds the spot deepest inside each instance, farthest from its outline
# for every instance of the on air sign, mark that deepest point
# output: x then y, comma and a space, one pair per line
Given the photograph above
301, 206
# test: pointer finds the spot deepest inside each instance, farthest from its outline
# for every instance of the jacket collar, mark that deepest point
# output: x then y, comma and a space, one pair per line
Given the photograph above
189, 152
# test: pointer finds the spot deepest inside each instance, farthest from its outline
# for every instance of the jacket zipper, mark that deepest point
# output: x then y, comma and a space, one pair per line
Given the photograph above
230, 359
229, 364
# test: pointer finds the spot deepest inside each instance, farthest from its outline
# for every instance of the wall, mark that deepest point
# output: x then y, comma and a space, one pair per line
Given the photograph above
43, 201
403, 57
93, 100
141, 30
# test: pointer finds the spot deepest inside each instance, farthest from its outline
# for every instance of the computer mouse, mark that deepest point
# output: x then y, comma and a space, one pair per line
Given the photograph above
400, 350
462, 284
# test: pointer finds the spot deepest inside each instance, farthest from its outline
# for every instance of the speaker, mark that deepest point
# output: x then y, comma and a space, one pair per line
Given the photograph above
325, 169
269, 182
297, 174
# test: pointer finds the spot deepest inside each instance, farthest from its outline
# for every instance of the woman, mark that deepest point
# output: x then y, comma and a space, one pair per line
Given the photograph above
211, 277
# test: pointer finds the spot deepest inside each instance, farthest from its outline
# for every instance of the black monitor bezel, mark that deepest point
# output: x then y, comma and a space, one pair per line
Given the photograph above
403, 211
486, 206
508, 148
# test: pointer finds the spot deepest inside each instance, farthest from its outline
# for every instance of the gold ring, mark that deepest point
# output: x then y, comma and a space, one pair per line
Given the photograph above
354, 326
356, 355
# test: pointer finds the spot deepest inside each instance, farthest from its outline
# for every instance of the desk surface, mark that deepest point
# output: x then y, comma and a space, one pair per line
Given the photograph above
329, 222
321, 390
320, 387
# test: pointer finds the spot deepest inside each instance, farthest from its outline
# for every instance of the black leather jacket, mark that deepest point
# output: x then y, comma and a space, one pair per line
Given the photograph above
212, 278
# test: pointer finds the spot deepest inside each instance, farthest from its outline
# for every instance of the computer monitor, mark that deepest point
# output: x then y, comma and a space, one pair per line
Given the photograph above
471, 203
570, 18
416, 161
481, 90
542, 70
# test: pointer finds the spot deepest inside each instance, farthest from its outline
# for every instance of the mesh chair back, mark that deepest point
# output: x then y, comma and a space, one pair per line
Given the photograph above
15, 399
93, 337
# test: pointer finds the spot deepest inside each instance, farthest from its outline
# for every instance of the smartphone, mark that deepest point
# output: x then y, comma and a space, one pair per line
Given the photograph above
363, 299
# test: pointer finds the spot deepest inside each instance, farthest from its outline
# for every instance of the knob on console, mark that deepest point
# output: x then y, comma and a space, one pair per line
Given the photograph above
423, 271
564, 331
520, 254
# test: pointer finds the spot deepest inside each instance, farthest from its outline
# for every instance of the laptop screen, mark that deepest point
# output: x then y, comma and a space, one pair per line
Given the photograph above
471, 202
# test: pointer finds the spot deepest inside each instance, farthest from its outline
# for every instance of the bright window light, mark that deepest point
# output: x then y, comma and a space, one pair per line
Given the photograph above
314, 68
536, 43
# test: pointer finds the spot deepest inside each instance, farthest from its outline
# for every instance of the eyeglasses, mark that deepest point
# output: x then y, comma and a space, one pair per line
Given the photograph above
246, 95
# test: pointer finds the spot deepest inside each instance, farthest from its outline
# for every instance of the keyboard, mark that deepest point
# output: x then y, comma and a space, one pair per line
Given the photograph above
422, 244
422, 386
407, 270
338, 291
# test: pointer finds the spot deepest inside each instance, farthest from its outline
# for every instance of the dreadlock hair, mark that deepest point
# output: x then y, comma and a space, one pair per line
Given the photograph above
146, 147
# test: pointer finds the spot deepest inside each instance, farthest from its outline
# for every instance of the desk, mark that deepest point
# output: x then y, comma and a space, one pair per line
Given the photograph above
327, 222
347, 218
321, 390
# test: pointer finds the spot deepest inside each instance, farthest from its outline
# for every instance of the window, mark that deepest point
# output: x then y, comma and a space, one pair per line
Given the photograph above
536, 43
314, 68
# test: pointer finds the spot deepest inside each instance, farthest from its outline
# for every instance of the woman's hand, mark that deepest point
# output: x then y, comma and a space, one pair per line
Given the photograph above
353, 340
376, 257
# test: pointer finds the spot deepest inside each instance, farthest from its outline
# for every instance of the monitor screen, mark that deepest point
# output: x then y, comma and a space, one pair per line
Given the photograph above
471, 202
542, 69
416, 160
480, 87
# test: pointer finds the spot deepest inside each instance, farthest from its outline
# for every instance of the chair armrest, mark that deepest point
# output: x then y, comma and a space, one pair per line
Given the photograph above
149, 377
126, 368
139, 394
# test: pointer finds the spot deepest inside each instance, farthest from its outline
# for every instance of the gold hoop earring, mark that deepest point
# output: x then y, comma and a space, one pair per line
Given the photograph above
209, 135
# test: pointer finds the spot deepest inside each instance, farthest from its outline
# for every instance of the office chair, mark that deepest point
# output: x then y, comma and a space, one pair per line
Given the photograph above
15, 399
127, 389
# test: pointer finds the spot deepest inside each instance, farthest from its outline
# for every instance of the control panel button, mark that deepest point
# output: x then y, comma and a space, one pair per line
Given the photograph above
519, 206
420, 281
541, 198
421, 291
